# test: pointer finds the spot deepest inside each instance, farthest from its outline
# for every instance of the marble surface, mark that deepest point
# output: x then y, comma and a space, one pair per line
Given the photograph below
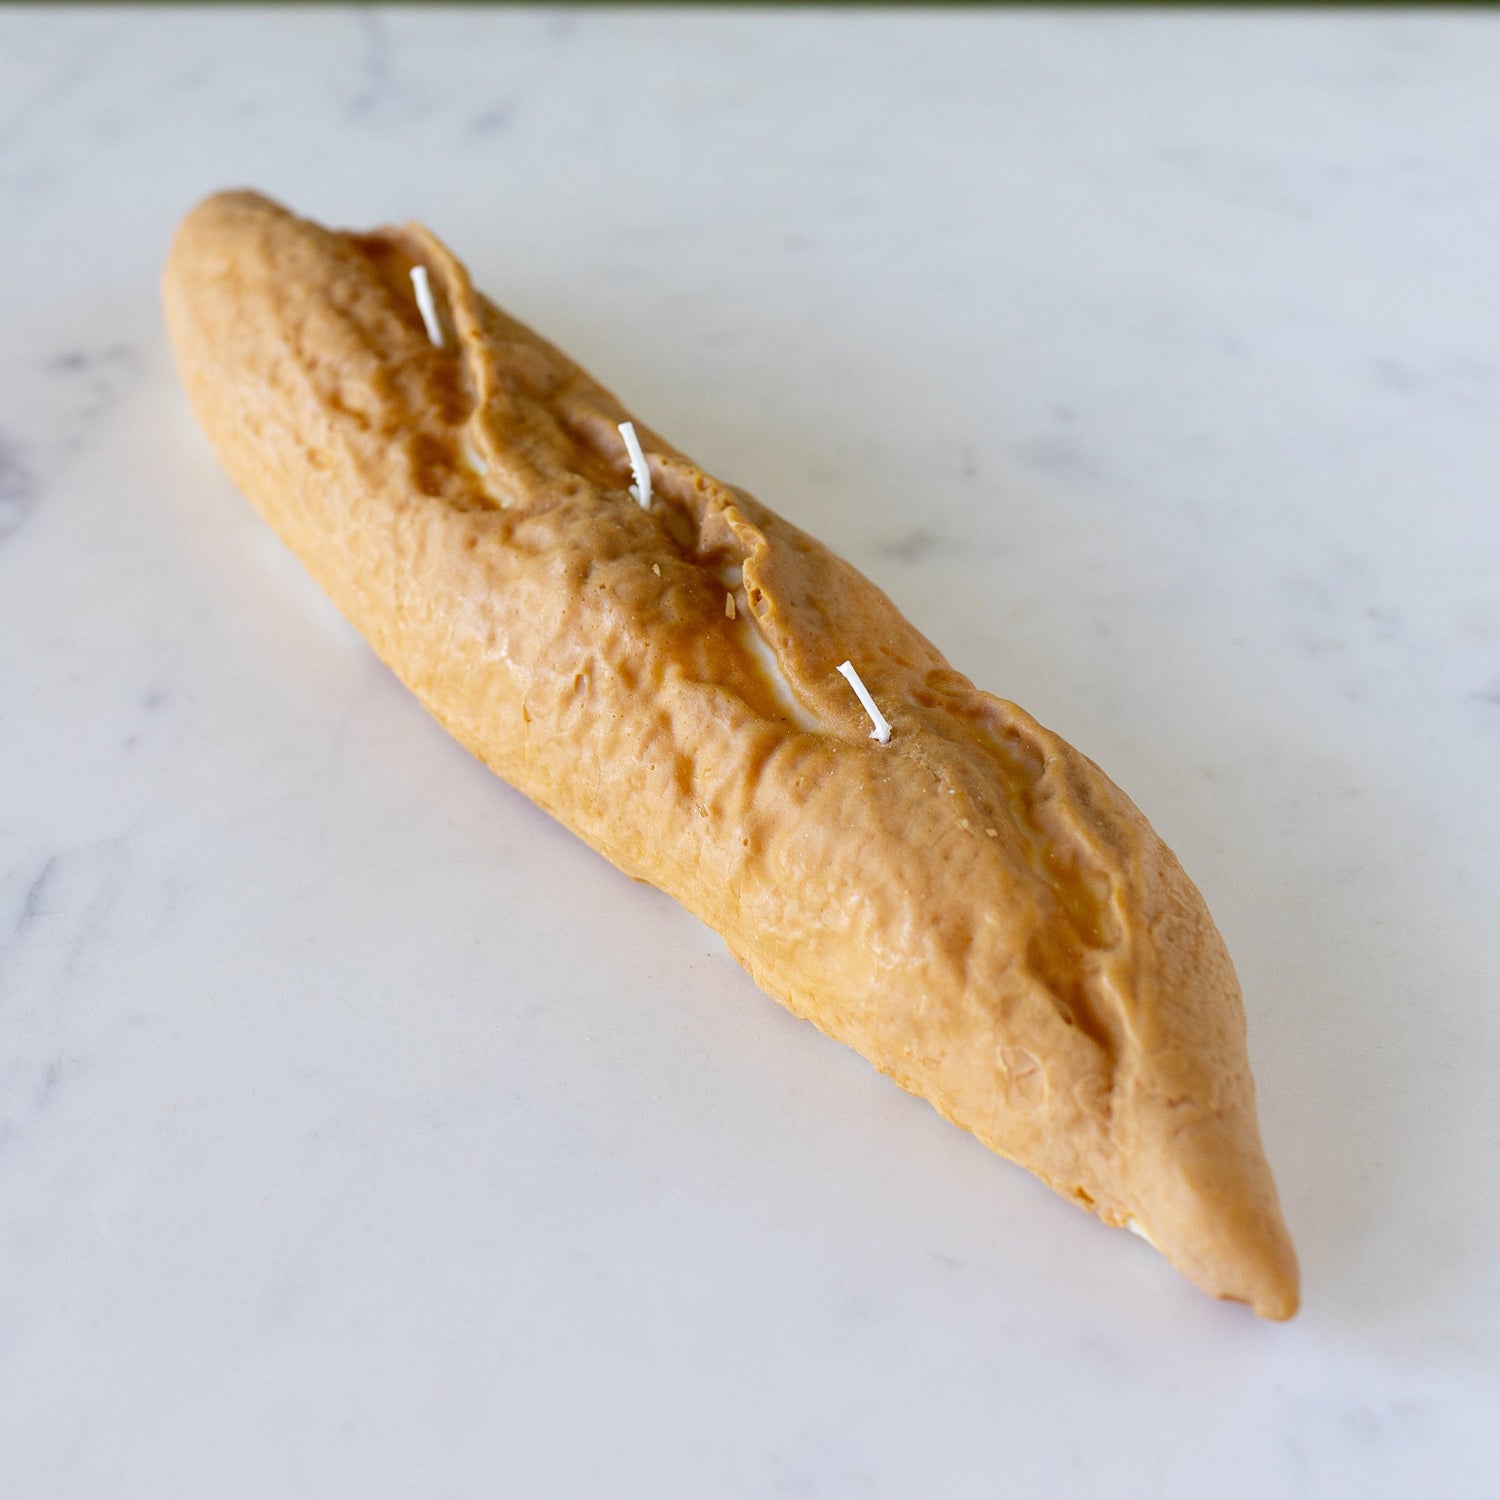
362, 1134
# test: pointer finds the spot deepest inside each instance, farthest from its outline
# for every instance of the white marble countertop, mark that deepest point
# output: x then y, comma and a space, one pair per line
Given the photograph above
362, 1134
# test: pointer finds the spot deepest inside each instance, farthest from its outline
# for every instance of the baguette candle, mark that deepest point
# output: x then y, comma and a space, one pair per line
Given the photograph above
1055, 985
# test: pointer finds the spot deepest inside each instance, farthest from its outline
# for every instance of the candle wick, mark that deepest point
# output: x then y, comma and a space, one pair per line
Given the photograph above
426, 306
641, 489
882, 730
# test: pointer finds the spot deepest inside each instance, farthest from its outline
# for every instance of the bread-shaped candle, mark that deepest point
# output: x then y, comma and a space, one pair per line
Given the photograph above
681, 677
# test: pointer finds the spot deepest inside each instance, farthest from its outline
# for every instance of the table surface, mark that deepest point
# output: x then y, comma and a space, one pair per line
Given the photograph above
363, 1134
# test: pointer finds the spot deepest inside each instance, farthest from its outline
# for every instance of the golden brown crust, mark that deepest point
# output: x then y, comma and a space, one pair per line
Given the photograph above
974, 907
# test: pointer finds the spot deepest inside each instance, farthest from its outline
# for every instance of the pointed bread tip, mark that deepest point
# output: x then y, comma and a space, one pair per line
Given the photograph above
1208, 1202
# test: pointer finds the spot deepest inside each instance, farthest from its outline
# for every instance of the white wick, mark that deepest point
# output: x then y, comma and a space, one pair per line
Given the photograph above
882, 729
641, 489
426, 306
